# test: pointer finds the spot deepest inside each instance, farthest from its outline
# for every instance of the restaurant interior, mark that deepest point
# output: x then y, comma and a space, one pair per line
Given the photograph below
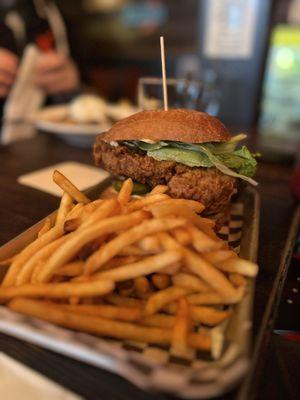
171, 268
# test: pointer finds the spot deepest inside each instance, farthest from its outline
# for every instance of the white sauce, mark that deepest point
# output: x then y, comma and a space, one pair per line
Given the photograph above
115, 144
148, 141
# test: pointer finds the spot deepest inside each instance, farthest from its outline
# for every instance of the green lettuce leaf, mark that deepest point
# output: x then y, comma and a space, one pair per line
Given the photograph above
224, 168
149, 146
144, 146
226, 147
183, 156
239, 163
240, 160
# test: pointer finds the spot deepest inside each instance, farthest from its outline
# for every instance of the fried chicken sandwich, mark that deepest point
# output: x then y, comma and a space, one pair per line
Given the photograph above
191, 152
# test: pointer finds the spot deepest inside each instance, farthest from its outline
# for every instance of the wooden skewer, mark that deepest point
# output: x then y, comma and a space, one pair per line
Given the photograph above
163, 68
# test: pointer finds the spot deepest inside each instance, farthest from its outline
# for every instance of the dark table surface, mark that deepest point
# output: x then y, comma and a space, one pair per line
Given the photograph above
21, 207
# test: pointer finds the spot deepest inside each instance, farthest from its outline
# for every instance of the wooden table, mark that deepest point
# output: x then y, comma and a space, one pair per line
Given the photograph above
21, 207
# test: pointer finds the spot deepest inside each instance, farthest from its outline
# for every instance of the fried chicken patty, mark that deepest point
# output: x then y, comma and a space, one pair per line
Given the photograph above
207, 185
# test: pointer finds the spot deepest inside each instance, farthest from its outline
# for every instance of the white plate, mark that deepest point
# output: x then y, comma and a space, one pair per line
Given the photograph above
81, 135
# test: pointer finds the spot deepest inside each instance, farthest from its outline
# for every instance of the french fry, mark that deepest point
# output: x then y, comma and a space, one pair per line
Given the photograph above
211, 298
74, 300
107, 208
74, 268
85, 211
68, 187
75, 242
104, 327
199, 341
157, 320
71, 225
150, 244
141, 286
170, 308
132, 250
125, 288
218, 256
36, 271
209, 274
45, 228
204, 315
7, 262
159, 299
208, 315
29, 251
238, 266
112, 248
105, 310
181, 327
176, 204
191, 282
81, 212
207, 225
125, 192
64, 208
203, 243
146, 266
90, 248
237, 280
164, 209
182, 236
146, 201
75, 212
158, 189
200, 267
41, 255
124, 301
161, 281
126, 292
96, 203
214, 298
111, 264
57, 290
172, 269
55, 279
91, 301
208, 222
200, 314
119, 261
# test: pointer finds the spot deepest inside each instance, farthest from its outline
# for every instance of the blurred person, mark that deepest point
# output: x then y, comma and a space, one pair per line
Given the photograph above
39, 22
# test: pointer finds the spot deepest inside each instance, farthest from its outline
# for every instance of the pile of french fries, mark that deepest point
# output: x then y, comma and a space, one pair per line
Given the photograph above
147, 269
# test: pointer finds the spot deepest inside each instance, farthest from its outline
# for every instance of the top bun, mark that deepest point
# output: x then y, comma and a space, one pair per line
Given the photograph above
180, 125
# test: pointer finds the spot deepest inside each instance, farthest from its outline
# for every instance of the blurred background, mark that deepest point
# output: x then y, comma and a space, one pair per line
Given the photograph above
245, 52
116, 41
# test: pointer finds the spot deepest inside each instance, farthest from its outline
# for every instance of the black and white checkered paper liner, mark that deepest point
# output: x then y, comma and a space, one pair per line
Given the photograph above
192, 375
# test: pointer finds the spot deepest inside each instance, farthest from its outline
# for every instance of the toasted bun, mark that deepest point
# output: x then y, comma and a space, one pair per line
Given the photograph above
180, 125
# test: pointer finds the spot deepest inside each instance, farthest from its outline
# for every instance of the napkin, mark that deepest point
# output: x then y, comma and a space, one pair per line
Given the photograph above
82, 175
23, 101
18, 382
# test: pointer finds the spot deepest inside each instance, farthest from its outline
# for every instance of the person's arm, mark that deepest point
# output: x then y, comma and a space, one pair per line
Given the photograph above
8, 57
56, 74
8, 69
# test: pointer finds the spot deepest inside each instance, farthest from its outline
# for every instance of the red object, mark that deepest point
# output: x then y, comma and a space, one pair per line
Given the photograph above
295, 183
292, 337
45, 41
